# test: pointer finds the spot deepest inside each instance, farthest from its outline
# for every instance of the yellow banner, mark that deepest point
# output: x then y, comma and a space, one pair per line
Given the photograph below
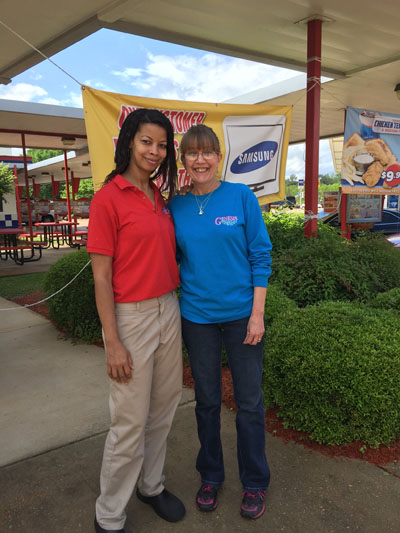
254, 138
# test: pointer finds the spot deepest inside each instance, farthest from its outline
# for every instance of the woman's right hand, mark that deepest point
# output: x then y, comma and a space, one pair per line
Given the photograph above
184, 189
119, 362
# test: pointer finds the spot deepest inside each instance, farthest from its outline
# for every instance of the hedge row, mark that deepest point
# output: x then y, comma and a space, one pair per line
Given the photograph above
334, 371
337, 270
332, 366
73, 309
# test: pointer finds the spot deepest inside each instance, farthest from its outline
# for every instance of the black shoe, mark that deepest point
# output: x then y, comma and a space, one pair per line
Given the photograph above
99, 529
166, 505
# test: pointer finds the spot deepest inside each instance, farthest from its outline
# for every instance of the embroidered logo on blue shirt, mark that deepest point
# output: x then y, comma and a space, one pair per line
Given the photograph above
226, 221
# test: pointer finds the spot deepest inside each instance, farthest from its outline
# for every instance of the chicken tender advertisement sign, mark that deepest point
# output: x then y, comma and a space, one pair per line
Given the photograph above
371, 152
254, 138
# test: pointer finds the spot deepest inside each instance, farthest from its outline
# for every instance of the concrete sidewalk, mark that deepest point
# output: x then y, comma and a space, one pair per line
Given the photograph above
54, 418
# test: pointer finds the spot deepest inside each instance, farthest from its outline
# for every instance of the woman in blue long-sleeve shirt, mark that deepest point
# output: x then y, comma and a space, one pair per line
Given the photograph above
224, 255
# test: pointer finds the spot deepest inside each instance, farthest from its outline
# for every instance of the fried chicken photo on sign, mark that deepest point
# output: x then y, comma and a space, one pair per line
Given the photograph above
354, 144
381, 151
373, 174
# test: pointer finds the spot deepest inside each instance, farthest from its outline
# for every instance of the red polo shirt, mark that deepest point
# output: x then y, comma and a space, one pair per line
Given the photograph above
140, 238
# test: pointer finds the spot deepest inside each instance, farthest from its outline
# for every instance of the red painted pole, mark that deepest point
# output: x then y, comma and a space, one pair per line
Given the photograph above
343, 221
34, 199
28, 198
314, 37
67, 185
73, 192
17, 197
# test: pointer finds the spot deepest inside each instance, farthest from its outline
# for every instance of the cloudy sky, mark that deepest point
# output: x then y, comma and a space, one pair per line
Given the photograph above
129, 64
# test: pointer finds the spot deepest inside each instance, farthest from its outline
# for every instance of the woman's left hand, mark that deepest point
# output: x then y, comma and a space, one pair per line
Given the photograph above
255, 330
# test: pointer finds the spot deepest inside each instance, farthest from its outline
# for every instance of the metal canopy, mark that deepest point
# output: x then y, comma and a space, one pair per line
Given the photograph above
360, 46
57, 122
78, 163
46, 126
372, 89
357, 34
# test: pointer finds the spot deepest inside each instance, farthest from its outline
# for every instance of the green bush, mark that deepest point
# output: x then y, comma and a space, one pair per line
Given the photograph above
387, 300
334, 371
74, 308
275, 303
286, 231
332, 268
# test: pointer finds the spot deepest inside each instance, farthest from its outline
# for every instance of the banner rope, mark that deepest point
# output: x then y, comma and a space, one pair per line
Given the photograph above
48, 298
316, 81
309, 215
38, 51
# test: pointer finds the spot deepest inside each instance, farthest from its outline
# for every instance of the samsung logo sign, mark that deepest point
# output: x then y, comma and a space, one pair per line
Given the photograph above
255, 157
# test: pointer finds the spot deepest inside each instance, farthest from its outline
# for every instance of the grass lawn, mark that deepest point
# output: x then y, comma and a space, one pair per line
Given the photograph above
15, 286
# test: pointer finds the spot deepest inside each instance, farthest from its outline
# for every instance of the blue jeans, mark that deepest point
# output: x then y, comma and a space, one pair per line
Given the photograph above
204, 344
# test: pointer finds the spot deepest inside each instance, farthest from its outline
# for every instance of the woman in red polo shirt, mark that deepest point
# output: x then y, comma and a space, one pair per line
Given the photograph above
132, 246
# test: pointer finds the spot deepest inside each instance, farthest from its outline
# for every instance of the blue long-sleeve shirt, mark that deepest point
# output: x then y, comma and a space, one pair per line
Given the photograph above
223, 254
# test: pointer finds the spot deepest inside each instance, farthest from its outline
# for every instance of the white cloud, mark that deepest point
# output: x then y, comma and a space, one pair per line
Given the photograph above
127, 73
205, 78
49, 100
24, 92
36, 75
98, 85
325, 158
73, 100
214, 78
296, 160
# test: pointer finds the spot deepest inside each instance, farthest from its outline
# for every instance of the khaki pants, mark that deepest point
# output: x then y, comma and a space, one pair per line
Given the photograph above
141, 411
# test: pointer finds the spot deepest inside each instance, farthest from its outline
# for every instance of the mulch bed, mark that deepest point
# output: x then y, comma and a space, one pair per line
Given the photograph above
273, 423
32, 298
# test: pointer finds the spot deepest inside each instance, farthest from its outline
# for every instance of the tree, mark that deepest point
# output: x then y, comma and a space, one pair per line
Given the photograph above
46, 191
86, 189
329, 179
291, 185
333, 187
6, 183
291, 181
42, 154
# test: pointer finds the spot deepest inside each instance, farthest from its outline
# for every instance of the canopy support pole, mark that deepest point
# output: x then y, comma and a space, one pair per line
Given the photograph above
314, 37
28, 196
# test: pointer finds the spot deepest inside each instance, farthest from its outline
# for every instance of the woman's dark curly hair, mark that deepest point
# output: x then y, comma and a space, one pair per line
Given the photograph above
130, 126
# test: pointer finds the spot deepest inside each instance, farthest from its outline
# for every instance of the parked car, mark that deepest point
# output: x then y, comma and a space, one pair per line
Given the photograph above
389, 224
48, 217
289, 201
394, 239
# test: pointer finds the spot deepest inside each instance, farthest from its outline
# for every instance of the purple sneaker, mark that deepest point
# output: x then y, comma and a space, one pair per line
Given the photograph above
252, 504
206, 498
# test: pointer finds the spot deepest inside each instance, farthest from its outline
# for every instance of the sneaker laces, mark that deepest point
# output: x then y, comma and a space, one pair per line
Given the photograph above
251, 499
207, 493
